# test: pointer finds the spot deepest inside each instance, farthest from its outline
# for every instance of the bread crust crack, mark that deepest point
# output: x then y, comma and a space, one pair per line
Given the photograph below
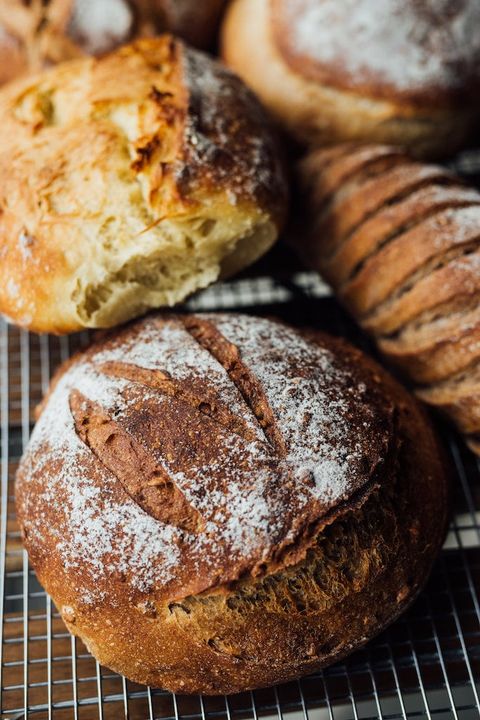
140, 475
228, 355
206, 403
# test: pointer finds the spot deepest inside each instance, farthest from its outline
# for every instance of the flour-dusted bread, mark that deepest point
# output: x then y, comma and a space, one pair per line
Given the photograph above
129, 182
220, 502
41, 33
399, 241
389, 71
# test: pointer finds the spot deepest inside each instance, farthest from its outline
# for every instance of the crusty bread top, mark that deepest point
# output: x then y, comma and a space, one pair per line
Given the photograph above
105, 161
176, 107
425, 50
186, 451
399, 242
41, 33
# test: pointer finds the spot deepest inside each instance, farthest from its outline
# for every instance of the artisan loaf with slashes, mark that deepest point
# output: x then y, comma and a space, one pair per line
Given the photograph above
41, 33
221, 502
129, 182
388, 71
399, 241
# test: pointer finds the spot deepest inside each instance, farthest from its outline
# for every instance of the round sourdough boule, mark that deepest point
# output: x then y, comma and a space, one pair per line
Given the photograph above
128, 183
41, 33
396, 71
220, 502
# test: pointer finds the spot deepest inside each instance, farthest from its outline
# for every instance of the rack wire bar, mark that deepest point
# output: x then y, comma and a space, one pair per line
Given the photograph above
427, 665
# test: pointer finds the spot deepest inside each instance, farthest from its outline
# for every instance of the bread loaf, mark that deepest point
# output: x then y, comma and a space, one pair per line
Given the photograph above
220, 502
41, 33
396, 71
129, 182
399, 241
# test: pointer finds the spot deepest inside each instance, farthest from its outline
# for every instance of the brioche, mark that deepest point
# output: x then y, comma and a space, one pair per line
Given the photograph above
396, 71
128, 183
399, 241
220, 502
41, 33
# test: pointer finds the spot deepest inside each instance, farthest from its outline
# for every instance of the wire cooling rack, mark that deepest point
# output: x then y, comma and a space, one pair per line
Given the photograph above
426, 665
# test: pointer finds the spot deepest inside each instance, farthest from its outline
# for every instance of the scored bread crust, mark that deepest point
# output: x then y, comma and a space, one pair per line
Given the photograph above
374, 89
220, 502
39, 34
399, 241
128, 182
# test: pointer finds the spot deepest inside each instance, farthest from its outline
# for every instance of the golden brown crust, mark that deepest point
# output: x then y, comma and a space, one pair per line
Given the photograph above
401, 250
244, 503
453, 285
391, 219
459, 398
403, 49
129, 182
336, 71
39, 34
447, 234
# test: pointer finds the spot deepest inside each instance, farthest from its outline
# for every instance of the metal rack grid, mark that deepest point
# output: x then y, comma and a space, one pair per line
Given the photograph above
427, 665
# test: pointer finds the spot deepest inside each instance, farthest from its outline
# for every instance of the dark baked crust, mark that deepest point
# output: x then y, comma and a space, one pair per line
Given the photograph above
208, 498
399, 242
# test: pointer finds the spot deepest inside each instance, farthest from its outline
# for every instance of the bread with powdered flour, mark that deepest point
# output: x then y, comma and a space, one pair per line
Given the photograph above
388, 71
41, 33
129, 182
399, 241
221, 502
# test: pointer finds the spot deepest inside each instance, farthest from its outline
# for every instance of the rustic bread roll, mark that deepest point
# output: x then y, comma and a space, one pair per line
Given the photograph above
38, 34
219, 502
128, 183
399, 241
396, 71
